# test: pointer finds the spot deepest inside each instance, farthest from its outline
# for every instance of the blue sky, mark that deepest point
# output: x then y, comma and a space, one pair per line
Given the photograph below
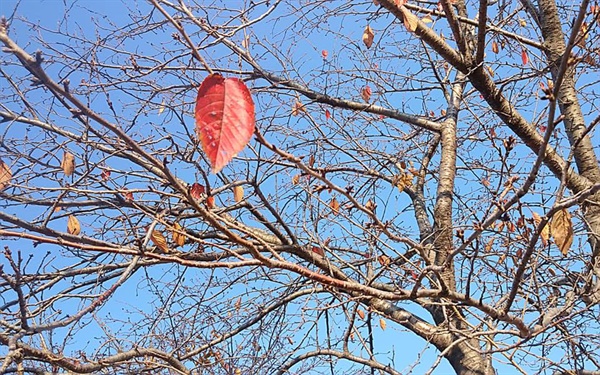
89, 19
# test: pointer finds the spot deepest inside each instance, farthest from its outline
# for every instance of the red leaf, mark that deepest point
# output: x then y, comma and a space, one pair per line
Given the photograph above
524, 57
210, 202
105, 175
196, 190
318, 250
128, 195
324, 53
366, 93
327, 114
224, 118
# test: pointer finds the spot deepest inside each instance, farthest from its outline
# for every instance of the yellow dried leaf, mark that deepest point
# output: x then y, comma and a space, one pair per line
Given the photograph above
5, 175
68, 163
334, 205
160, 241
410, 21
427, 19
361, 314
238, 304
178, 237
297, 108
73, 226
561, 229
161, 109
368, 36
371, 205
384, 260
382, 323
495, 48
238, 193
489, 245
545, 233
296, 179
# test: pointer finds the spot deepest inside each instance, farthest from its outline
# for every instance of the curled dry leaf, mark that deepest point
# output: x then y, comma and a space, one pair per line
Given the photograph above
68, 163
159, 240
5, 175
545, 233
365, 93
361, 314
495, 48
410, 20
324, 53
73, 226
196, 190
334, 205
238, 193
368, 36
561, 229
384, 260
178, 236
296, 179
105, 175
210, 202
524, 57
371, 206
382, 323
318, 250
297, 108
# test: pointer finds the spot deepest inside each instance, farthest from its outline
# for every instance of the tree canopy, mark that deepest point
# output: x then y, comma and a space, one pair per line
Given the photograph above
279, 186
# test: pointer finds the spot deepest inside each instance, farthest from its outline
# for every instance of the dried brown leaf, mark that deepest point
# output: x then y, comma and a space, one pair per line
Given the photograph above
561, 229
368, 36
68, 163
159, 240
5, 175
178, 236
545, 233
73, 226
238, 193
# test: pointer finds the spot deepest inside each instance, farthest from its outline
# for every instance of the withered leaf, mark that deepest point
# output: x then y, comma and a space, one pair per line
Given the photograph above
368, 36
561, 229
159, 240
545, 233
5, 175
238, 193
73, 226
178, 236
68, 163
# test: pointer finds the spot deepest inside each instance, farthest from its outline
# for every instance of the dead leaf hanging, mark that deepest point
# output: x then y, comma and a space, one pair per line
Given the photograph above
159, 240
178, 237
561, 229
411, 22
68, 163
224, 118
545, 233
73, 226
334, 205
5, 175
368, 36
238, 193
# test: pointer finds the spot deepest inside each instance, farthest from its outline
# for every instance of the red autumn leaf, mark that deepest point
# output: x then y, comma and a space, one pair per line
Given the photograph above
224, 118
210, 202
327, 114
524, 57
318, 250
366, 93
324, 53
128, 195
105, 175
196, 190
